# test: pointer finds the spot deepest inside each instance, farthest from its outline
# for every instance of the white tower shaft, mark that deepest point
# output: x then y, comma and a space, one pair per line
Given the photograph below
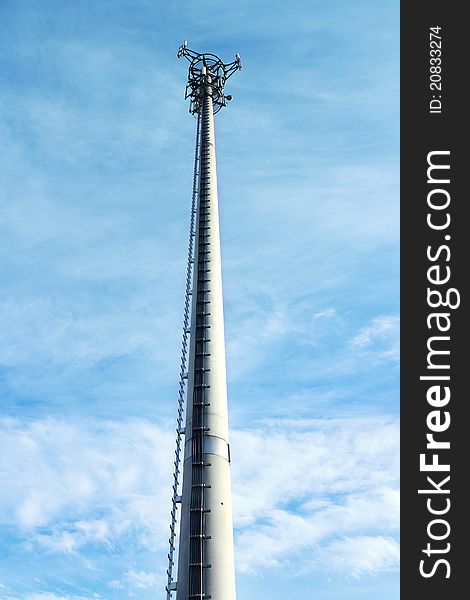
206, 560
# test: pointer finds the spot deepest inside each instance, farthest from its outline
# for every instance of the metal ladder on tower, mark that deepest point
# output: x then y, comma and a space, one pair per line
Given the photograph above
176, 498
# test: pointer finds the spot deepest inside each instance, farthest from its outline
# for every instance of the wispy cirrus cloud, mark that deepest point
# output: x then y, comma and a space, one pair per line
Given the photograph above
354, 557
380, 337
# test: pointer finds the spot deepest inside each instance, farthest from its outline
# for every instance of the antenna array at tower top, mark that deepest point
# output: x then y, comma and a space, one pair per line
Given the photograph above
207, 74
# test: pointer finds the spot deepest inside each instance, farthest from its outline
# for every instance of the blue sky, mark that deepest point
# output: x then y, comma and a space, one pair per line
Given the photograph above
96, 162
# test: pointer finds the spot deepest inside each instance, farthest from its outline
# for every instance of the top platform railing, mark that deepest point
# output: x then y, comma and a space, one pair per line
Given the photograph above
207, 75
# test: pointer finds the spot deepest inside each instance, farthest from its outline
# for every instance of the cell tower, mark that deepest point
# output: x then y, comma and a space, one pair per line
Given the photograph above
205, 549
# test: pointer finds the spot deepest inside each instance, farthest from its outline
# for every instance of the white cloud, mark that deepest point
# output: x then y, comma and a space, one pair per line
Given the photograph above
361, 555
313, 483
63, 475
52, 330
141, 579
52, 596
114, 584
327, 313
381, 337
299, 487
382, 327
